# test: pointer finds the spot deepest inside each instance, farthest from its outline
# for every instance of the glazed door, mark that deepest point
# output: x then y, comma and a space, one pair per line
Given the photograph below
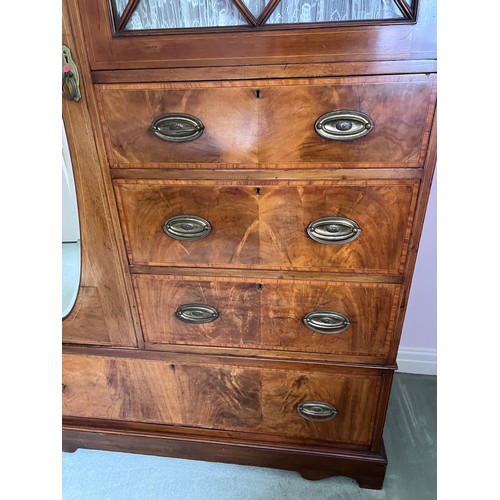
145, 33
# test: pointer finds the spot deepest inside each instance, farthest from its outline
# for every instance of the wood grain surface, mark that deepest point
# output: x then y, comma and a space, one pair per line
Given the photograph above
101, 313
241, 397
264, 226
228, 114
268, 314
260, 174
393, 41
265, 123
341, 68
399, 107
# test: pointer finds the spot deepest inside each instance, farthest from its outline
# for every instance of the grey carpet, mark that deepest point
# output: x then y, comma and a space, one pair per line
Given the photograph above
410, 439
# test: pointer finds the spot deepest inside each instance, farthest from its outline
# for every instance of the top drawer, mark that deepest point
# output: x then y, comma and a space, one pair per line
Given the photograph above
376, 121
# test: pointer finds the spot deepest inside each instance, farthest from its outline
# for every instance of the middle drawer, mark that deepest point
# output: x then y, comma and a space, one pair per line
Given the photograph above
330, 226
334, 318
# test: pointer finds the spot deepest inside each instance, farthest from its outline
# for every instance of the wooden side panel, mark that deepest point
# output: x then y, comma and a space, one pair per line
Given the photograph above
229, 116
101, 314
268, 314
264, 226
242, 397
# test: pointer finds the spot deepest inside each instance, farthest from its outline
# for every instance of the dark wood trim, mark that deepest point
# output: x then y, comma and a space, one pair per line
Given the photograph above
201, 357
127, 12
405, 9
245, 12
414, 166
372, 361
368, 469
263, 274
364, 361
268, 10
260, 28
113, 15
263, 175
346, 69
246, 438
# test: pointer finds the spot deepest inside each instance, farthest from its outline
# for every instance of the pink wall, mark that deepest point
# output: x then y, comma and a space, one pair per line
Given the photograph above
419, 329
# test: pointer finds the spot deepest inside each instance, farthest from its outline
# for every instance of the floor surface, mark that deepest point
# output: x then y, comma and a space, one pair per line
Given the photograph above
410, 440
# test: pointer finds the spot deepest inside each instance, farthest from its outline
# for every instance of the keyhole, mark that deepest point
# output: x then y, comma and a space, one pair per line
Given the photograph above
257, 191
259, 286
257, 93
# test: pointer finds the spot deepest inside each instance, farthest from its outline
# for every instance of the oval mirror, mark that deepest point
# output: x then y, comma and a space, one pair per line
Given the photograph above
71, 252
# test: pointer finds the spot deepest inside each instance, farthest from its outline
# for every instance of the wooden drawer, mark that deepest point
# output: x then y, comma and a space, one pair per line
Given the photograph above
264, 123
229, 116
264, 226
398, 110
259, 398
357, 319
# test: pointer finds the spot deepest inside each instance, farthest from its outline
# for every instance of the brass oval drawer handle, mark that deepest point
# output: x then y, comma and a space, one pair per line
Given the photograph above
196, 313
343, 125
333, 230
327, 322
316, 411
177, 127
187, 227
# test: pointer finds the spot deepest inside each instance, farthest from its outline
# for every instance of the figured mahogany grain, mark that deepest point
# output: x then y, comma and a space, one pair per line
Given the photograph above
399, 107
229, 116
260, 400
115, 402
275, 128
265, 228
268, 314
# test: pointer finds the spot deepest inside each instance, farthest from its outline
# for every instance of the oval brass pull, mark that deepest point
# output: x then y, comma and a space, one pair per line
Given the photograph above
316, 411
187, 227
196, 313
177, 127
326, 322
343, 125
333, 230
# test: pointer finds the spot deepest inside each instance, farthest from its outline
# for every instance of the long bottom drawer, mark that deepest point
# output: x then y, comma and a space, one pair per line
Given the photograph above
334, 404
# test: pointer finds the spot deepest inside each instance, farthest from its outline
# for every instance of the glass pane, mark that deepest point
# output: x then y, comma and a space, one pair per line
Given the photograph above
120, 6
168, 14
256, 6
70, 234
316, 11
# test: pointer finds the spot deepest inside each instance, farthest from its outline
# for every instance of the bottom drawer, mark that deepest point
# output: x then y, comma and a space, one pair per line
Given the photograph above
281, 399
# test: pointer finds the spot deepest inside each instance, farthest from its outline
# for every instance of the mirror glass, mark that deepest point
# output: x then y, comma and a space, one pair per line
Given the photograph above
71, 251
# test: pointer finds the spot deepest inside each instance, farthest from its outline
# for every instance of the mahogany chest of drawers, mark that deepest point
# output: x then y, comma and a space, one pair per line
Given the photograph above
251, 202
